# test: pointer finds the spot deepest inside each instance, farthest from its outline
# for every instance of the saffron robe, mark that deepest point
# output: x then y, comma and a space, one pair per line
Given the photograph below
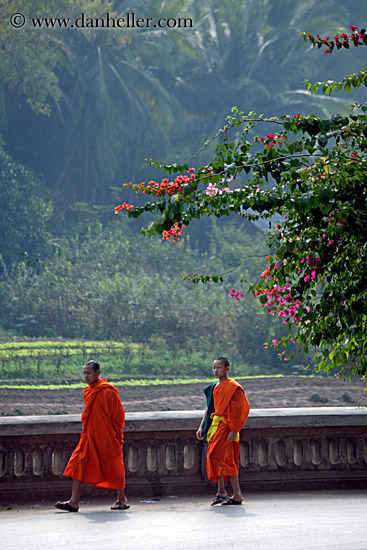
98, 458
230, 403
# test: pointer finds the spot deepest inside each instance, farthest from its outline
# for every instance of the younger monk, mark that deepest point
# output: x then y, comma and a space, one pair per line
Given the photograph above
98, 458
226, 414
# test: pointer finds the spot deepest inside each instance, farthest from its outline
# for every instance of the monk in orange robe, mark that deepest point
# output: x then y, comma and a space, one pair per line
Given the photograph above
98, 459
225, 416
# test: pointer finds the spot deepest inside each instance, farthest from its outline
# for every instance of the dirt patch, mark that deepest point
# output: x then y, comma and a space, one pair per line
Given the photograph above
261, 392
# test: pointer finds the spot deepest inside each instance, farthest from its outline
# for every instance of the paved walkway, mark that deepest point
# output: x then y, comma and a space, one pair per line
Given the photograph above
275, 521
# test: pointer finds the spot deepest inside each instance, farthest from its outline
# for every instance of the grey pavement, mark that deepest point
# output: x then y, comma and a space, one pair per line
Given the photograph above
328, 520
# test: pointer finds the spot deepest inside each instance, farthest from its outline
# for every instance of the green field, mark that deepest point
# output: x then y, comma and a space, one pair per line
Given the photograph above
131, 382
56, 364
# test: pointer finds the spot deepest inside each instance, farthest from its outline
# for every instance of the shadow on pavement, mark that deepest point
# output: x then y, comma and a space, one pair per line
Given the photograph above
105, 517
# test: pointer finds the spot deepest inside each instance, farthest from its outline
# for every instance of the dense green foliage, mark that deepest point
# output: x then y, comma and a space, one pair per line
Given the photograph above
112, 285
28, 61
24, 215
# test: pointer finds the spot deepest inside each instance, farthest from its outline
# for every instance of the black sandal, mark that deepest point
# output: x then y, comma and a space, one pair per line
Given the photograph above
231, 502
219, 499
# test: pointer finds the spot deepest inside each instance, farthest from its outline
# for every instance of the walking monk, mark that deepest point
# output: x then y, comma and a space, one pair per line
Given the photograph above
98, 459
226, 414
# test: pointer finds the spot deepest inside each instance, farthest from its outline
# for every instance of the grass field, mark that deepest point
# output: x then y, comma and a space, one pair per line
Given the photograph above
133, 382
58, 364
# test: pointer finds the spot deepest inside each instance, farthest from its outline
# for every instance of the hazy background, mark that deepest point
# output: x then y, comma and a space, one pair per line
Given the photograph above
81, 110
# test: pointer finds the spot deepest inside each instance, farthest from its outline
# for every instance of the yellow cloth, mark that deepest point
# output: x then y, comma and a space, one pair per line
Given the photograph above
214, 426
230, 403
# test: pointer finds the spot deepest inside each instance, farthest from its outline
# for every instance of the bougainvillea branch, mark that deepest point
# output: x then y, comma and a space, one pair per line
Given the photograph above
342, 40
312, 172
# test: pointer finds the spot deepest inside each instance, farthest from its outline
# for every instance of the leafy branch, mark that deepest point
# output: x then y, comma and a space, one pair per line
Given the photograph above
354, 80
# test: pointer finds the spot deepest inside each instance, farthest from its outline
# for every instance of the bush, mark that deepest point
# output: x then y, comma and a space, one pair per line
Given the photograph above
23, 233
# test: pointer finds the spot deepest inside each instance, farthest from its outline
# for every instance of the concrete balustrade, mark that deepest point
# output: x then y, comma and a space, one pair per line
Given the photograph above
280, 449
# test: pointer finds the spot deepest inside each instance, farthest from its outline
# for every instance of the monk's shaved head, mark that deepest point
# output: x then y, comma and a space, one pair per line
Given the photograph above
93, 364
224, 361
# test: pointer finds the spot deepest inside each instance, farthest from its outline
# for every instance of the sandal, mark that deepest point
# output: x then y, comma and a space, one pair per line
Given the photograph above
120, 505
231, 502
219, 499
65, 506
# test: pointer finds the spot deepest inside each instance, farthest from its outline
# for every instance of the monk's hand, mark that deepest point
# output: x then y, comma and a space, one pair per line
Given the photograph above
199, 434
231, 436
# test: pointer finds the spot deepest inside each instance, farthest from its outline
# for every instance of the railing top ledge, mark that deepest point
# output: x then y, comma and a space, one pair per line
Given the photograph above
157, 421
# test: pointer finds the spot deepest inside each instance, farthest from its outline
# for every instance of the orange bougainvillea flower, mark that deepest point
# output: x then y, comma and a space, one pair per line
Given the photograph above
165, 187
123, 205
175, 231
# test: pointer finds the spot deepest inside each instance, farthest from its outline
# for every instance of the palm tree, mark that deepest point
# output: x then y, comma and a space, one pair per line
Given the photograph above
117, 105
255, 57
131, 93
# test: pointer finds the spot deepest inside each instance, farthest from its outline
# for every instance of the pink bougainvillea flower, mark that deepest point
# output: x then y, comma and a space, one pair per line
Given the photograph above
234, 294
211, 189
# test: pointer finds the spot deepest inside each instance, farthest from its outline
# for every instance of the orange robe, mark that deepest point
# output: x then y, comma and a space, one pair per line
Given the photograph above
98, 458
231, 403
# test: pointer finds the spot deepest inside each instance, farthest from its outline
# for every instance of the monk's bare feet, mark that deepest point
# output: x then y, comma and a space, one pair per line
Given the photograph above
120, 505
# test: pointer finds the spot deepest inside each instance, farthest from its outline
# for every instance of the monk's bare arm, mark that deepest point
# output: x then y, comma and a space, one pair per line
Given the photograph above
238, 413
199, 433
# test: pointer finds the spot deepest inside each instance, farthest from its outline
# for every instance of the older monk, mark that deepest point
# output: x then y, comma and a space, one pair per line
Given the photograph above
98, 459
